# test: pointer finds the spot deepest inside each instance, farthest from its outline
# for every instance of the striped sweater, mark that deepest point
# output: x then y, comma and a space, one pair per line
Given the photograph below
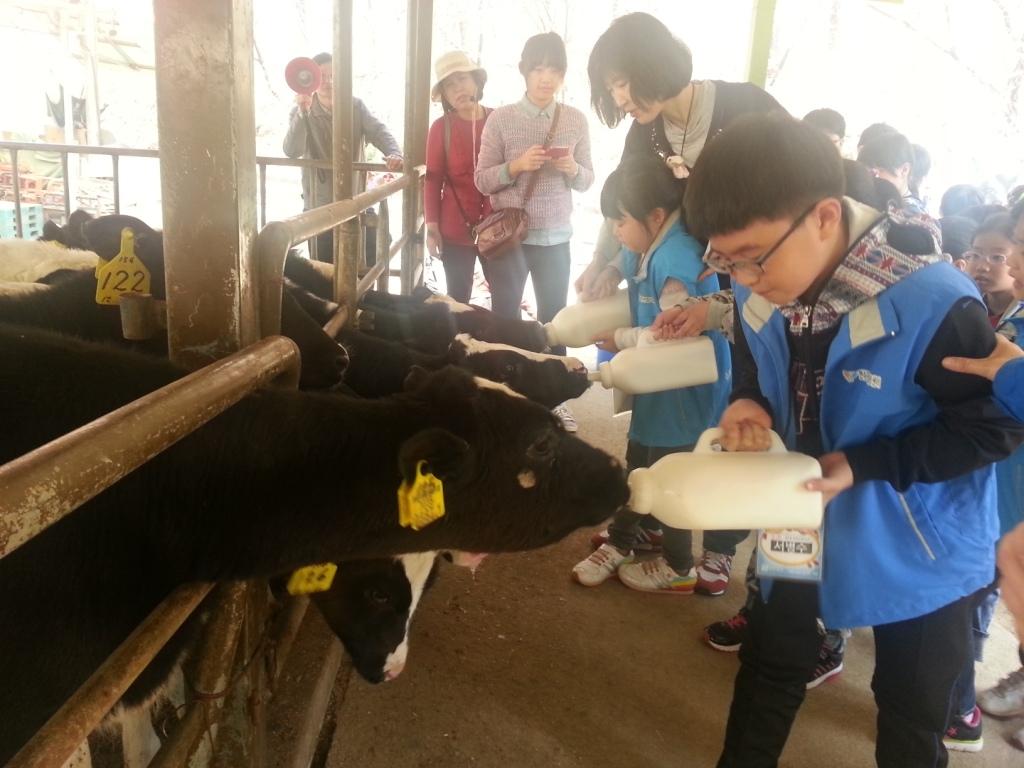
510, 131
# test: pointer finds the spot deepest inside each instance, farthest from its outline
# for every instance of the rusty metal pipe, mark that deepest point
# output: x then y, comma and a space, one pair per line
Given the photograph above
96, 455
367, 280
60, 737
319, 700
277, 237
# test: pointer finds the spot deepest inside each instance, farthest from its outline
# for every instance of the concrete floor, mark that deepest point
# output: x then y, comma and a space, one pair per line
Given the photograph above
519, 666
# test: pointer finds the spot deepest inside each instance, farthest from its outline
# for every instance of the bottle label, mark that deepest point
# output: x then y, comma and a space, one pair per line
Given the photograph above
790, 554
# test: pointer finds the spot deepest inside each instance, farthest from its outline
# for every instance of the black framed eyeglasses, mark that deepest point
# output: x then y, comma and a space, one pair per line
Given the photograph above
721, 264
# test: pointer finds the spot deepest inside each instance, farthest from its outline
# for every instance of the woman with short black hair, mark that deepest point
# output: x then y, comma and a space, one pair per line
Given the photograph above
639, 68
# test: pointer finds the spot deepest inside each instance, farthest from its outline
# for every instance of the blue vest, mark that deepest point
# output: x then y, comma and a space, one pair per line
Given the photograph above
888, 556
678, 416
1010, 471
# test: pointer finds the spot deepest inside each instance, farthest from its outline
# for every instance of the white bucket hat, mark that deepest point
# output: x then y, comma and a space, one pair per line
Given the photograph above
450, 63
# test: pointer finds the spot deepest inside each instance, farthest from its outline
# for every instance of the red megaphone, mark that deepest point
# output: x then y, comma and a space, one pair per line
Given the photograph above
302, 75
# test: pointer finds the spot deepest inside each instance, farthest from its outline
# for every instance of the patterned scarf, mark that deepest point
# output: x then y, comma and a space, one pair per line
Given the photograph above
870, 266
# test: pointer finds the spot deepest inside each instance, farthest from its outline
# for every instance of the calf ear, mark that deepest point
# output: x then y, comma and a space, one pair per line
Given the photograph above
51, 230
444, 453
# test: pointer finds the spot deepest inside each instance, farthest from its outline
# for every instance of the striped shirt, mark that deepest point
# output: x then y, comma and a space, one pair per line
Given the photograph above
509, 132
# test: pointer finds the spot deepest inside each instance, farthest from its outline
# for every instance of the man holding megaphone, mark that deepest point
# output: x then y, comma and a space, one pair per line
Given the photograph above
310, 136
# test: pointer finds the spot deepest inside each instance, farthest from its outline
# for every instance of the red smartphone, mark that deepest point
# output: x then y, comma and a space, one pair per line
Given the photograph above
557, 152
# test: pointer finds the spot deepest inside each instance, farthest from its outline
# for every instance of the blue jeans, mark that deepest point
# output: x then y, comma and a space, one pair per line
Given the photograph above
964, 695
549, 265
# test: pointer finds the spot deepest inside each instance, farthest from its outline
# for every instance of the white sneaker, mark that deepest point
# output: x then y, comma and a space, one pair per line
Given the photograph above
657, 575
1007, 698
600, 566
565, 416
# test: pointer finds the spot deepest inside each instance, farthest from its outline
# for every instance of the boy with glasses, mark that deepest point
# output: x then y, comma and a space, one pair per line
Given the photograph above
843, 316
988, 264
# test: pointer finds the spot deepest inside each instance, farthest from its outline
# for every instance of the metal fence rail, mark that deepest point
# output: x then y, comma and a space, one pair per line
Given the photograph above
277, 237
94, 457
116, 153
98, 454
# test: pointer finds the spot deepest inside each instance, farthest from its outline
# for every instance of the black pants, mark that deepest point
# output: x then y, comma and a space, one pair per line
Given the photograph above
917, 663
459, 262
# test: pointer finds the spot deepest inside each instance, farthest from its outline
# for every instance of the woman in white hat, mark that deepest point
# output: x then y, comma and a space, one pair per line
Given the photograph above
452, 204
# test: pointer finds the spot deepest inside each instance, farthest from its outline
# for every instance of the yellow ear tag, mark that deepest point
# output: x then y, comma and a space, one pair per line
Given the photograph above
421, 503
124, 273
312, 578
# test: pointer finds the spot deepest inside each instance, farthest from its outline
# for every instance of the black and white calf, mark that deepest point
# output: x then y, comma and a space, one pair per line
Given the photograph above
434, 323
378, 367
282, 480
370, 608
69, 305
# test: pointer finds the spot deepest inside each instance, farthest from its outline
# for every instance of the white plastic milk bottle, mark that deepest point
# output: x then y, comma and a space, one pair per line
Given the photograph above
661, 365
719, 490
576, 326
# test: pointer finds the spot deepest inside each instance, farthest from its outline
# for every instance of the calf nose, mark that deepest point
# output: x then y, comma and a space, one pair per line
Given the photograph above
393, 672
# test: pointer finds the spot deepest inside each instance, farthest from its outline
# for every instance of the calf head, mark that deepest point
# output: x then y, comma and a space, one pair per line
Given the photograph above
513, 478
323, 359
429, 329
546, 379
370, 606
487, 326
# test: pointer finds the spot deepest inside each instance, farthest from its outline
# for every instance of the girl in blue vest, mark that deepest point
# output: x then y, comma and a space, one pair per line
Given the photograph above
844, 315
995, 256
663, 263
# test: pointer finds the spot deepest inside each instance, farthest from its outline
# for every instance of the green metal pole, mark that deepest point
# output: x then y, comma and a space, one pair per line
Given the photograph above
761, 41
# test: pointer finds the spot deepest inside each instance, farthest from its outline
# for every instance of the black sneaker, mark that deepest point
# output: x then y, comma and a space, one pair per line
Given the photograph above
728, 635
964, 735
830, 664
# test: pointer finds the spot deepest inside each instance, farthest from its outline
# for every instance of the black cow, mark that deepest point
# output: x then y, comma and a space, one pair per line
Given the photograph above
281, 480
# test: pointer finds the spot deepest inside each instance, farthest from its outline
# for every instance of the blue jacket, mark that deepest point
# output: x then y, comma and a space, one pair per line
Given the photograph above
1010, 471
676, 417
888, 556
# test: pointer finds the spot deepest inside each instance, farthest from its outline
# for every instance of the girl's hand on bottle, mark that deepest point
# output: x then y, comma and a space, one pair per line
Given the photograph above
680, 322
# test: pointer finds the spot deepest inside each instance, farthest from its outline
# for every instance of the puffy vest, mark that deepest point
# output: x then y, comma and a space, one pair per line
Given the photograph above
888, 556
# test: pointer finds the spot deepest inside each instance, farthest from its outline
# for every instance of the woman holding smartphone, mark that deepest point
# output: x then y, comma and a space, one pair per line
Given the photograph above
512, 150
